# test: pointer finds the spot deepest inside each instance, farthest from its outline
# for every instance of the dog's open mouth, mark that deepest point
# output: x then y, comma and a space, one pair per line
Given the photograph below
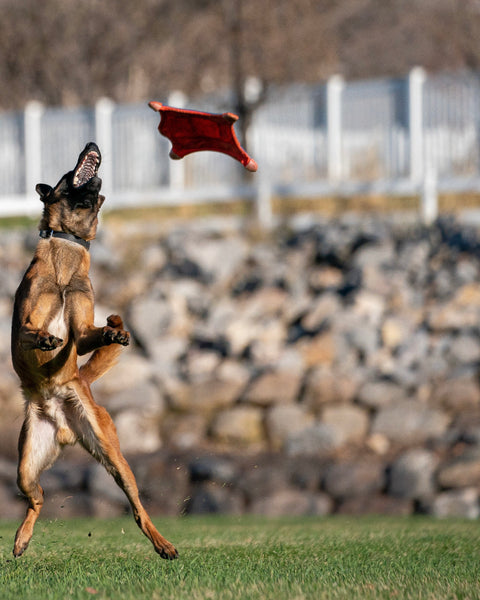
86, 169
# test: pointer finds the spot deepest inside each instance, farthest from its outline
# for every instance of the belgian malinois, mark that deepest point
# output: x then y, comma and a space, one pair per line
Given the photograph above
53, 324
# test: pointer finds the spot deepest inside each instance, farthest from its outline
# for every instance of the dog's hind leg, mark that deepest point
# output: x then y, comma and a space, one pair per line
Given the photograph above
38, 448
96, 432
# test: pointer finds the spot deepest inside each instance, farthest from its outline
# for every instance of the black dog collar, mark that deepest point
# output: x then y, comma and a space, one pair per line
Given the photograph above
49, 233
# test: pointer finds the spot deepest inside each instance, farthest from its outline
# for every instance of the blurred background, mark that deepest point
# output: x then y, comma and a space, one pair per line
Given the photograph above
306, 339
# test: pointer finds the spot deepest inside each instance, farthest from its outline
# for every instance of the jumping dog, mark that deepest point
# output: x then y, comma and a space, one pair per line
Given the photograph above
52, 325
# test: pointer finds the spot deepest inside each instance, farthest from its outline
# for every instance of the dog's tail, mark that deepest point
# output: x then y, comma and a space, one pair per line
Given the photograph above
100, 362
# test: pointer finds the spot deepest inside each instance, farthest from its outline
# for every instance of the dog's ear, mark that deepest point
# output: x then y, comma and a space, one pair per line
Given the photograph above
44, 191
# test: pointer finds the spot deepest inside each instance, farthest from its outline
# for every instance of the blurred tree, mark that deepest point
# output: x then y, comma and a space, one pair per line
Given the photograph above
75, 51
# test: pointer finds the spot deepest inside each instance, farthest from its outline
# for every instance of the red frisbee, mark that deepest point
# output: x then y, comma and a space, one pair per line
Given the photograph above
194, 131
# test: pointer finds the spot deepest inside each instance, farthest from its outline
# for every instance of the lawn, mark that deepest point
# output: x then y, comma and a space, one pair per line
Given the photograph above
235, 558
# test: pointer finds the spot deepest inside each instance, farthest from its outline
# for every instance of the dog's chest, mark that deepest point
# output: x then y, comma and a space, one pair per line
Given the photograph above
57, 326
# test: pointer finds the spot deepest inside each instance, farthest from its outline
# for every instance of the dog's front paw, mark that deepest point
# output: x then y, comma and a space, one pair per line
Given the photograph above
115, 336
47, 342
115, 321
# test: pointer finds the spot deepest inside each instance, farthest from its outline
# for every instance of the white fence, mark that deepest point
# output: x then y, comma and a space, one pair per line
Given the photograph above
390, 136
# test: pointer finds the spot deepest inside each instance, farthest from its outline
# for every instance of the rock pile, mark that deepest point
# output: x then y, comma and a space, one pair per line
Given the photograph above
331, 366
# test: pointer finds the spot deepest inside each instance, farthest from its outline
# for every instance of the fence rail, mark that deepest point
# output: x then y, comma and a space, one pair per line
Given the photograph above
393, 135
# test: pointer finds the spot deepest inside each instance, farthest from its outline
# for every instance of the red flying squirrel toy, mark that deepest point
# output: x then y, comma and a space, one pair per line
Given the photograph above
194, 131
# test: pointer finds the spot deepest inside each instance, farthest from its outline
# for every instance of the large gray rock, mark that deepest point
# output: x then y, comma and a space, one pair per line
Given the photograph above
274, 387
132, 370
149, 319
410, 422
213, 468
217, 258
463, 471
239, 425
185, 431
210, 498
318, 440
375, 504
290, 502
138, 431
354, 478
464, 349
349, 422
457, 503
457, 394
325, 386
412, 475
208, 395
377, 394
284, 421
144, 397
102, 486
321, 312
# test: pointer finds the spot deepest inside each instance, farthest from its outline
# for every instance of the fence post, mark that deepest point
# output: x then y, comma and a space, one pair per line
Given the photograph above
104, 138
334, 92
263, 202
176, 168
429, 197
416, 80
33, 145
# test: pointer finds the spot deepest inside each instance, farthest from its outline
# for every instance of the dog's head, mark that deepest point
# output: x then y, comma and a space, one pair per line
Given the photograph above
72, 205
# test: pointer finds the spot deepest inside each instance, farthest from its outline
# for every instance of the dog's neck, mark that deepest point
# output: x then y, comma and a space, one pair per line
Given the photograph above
49, 233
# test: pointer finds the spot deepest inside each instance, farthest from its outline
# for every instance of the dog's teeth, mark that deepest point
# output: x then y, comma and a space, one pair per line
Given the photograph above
86, 170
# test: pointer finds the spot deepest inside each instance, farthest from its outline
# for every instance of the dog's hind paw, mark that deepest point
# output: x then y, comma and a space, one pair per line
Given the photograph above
168, 552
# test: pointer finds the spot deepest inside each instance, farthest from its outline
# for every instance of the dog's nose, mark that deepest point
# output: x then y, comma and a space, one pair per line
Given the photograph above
92, 147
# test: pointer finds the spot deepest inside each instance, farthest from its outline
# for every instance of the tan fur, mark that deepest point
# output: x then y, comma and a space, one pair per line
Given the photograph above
52, 325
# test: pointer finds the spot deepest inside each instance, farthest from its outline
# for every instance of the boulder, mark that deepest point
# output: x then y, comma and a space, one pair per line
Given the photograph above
144, 398
349, 422
354, 478
209, 395
274, 387
379, 504
412, 475
409, 422
290, 502
102, 486
318, 440
463, 471
395, 331
462, 504
320, 312
284, 421
211, 498
325, 386
149, 319
213, 468
184, 431
217, 259
377, 394
132, 370
464, 349
318, 350
456, 394
138, 432
239, 425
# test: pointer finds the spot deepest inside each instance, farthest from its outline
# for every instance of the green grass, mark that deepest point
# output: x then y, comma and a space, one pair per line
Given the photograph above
236, 558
